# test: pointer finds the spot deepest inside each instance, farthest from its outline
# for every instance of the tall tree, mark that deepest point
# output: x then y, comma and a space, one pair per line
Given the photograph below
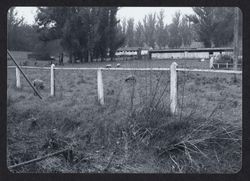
139, 34
13, 26
57, 23
89, 34
101, 47
130, 32
175, 39
214, 26
161, 33
223, 33
115, 40
85, 32
185, 32
205, 24
149, 23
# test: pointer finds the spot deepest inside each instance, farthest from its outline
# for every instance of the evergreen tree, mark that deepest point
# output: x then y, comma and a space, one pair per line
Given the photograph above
214, 26
115, 40
85, 32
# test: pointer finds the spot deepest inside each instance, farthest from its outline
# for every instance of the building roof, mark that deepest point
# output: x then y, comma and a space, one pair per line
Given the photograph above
131, 48
192, 50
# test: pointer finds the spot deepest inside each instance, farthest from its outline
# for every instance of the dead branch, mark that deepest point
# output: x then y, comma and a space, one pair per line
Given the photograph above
38, 159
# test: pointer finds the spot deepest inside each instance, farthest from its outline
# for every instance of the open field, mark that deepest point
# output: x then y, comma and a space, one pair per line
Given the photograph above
21, 58
128, 134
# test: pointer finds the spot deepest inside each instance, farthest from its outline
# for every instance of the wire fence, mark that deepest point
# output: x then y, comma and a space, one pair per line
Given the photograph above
64, 83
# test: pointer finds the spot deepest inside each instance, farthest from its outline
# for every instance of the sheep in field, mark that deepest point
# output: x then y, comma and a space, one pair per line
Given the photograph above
130, 79
108, 66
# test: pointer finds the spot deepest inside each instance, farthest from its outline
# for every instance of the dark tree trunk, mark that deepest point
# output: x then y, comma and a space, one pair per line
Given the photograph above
89, 56
70, 57
74, 59
81, 58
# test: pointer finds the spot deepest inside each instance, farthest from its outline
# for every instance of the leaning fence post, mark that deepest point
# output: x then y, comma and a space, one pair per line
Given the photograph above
52, 80
100, 87
18, 79
173, 88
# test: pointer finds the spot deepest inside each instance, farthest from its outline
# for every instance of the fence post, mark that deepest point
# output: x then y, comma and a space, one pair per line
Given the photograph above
227, 65
211, 62
100, 87
173, 88
52, 80
18, 79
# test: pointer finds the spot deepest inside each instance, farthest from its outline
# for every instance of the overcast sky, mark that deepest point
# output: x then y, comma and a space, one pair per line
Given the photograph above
137, 13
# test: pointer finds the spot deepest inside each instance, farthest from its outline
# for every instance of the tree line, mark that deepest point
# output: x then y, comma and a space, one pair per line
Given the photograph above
154, 33
211, 26
84, 32
87, 33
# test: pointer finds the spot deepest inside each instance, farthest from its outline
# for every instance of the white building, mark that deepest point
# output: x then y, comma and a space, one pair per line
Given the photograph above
188, 53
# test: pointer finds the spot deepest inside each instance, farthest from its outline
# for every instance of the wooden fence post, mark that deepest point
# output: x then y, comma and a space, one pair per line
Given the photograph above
52, 80
173, 88
100, 87
18, 78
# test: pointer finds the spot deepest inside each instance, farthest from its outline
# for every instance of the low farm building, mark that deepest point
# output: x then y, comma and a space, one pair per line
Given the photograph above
188, 53
131, 51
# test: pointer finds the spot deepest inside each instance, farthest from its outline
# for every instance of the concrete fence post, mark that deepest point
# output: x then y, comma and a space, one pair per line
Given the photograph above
173, 88
52, 80
18, 78
211, 62
100, 87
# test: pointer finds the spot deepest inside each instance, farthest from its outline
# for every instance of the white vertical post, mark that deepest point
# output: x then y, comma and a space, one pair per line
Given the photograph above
52, 80
211, 62
173, 88
100, 87
227, 65
18, 79
186, 54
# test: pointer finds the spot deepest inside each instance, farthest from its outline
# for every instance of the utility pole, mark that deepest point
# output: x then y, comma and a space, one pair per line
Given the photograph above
236, 36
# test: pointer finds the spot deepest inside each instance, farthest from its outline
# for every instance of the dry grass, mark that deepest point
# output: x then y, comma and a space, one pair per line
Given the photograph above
134, 131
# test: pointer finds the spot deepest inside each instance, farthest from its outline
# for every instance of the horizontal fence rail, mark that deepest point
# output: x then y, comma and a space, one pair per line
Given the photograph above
208, 70
139, 69
230, 64
84, 68
29, 67
100, 87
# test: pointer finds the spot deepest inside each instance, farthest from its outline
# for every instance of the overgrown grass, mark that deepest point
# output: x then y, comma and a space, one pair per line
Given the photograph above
133, 132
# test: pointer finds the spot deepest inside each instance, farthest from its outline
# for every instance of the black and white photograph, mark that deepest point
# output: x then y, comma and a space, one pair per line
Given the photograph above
104, 89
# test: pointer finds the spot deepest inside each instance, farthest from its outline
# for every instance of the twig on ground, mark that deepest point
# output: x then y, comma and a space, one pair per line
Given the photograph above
109, 163
38, 159
178, 166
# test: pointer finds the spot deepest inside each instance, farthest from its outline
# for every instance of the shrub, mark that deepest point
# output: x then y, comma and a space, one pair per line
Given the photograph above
224, 59
25, 63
